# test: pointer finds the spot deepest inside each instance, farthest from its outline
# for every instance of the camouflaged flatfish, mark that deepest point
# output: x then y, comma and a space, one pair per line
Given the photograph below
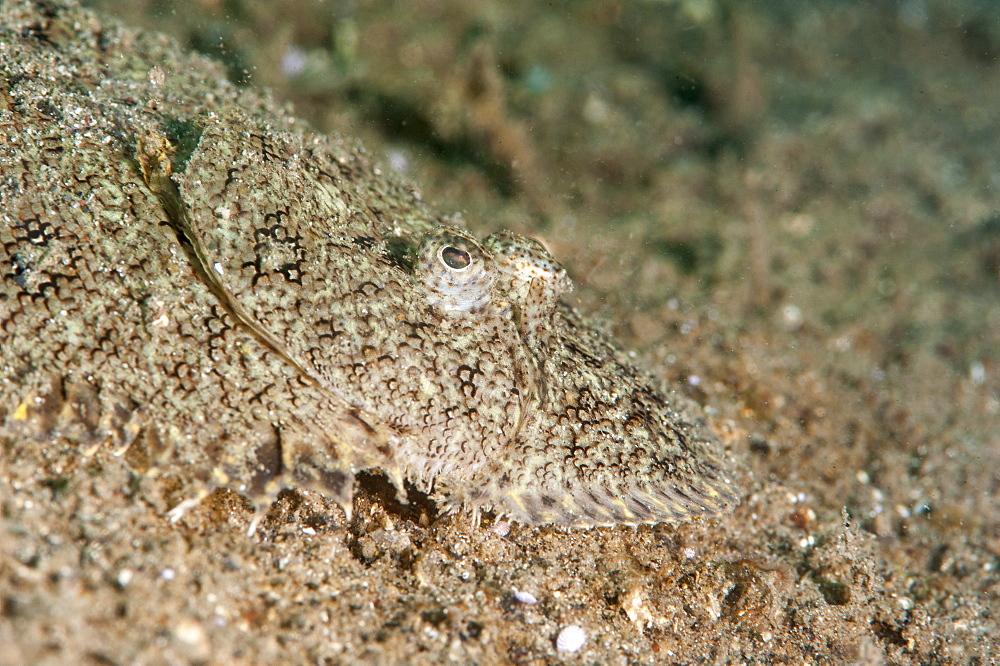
189, 276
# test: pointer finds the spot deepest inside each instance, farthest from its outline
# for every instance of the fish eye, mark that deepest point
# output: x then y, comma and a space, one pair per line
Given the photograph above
455, 270
455, 258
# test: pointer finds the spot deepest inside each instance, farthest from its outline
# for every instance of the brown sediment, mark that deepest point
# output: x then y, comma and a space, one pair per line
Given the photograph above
868, 380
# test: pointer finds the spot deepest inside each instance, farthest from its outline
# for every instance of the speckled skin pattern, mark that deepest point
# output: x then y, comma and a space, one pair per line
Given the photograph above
189, 276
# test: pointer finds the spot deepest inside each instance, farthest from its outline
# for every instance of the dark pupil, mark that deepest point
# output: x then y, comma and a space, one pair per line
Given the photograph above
455, 258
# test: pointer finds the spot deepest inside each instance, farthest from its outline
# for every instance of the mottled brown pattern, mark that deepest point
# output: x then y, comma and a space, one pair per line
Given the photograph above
232, 300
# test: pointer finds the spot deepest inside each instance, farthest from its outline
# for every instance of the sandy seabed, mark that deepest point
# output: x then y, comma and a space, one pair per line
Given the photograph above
791, 213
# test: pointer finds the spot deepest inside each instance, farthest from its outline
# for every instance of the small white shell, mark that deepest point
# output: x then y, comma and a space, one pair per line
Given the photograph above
571, 639
526, 598
501, 528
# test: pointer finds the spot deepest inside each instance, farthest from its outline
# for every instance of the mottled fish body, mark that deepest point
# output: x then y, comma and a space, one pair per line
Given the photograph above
188, 276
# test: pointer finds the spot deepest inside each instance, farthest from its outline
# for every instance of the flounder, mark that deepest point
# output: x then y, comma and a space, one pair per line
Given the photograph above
188, 275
